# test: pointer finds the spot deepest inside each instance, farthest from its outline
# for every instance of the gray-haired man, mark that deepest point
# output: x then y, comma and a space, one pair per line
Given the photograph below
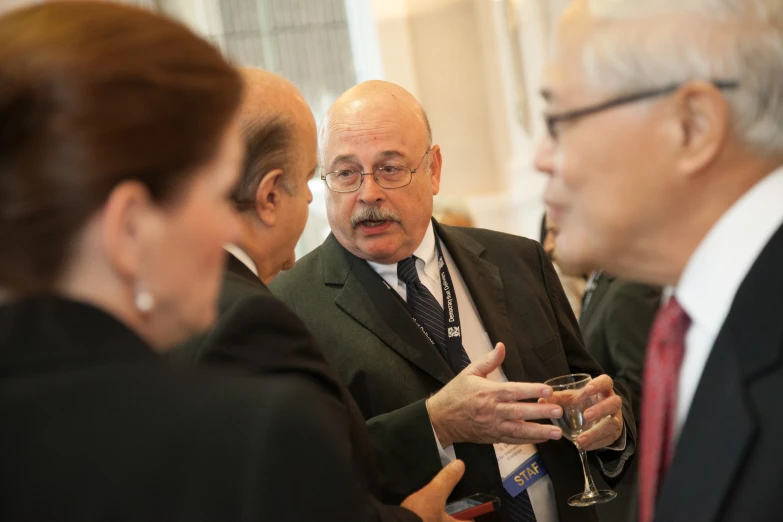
664, 154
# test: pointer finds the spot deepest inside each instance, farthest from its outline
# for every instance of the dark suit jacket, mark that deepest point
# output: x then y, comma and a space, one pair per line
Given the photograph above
616, 325
257, 334
391, 368
728, 462
95, 426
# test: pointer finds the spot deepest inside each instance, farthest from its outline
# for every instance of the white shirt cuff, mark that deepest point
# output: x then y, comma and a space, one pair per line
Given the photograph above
447, 454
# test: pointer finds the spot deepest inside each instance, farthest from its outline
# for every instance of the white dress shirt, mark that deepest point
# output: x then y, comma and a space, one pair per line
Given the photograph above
242, 256
715, 271
475, 340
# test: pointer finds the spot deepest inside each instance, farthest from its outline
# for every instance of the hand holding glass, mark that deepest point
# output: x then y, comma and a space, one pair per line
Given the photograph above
570, 395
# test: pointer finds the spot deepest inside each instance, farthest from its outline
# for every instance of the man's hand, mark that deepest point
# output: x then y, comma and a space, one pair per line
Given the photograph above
609, 410
429, 503
471, 408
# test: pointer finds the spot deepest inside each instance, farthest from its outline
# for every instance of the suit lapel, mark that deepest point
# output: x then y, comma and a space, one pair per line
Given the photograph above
721, 425
485, 285
367, 300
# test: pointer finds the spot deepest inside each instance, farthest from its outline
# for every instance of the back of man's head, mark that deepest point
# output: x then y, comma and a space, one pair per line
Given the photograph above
271, 109
272, 194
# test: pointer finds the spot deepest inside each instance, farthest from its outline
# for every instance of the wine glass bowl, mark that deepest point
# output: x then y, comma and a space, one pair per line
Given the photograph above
574, 403
569, 393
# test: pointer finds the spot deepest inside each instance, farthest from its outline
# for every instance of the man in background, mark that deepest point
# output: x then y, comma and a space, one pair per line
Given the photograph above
616, 319
573, 285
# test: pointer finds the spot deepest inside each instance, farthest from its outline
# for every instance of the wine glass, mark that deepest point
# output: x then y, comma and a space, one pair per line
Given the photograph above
569, 394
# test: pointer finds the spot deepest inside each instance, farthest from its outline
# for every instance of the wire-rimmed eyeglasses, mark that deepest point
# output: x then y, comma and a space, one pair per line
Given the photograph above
388, 176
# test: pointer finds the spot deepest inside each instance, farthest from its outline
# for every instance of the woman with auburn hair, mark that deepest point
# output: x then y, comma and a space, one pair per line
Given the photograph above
119, 150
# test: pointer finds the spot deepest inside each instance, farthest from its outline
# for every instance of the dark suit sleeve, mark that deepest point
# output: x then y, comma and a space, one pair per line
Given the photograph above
612, 463
630, 313
260, 335
405, 445
313, 465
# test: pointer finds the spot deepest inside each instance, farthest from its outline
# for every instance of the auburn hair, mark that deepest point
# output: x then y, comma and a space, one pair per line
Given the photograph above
93, 94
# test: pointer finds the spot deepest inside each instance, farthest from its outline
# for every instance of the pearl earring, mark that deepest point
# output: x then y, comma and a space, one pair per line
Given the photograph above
144, 301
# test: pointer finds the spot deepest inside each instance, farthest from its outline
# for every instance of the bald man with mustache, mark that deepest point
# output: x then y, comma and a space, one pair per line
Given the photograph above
443, 335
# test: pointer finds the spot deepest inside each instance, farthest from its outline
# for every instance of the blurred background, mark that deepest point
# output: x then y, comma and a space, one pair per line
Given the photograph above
475, 65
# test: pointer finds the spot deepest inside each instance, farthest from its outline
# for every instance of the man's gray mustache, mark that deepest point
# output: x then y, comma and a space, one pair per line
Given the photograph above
373, 214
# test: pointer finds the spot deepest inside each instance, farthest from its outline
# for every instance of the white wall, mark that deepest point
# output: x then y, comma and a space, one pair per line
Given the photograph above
202, 16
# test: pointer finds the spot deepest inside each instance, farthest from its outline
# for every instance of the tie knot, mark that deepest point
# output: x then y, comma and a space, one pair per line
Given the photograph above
406, 271
670, 327
674, 316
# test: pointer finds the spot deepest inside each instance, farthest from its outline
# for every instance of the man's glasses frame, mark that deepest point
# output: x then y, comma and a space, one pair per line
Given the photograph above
553, 120
377, 175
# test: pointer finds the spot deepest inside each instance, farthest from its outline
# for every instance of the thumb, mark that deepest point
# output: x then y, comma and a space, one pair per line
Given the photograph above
444, 482
489, 363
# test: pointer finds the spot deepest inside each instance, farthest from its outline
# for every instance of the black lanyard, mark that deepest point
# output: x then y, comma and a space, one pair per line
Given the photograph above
450, 311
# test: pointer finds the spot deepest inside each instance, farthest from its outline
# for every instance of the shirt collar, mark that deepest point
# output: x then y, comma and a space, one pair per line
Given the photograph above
426, 252
242, 256
724, 257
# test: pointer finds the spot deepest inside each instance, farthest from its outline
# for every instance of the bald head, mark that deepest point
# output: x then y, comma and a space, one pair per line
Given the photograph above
381, 128
372, 99
275, 119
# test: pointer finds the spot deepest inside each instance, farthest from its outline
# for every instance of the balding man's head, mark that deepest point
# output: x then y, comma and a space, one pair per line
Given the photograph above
272, 193
275, 117
372, 96
270, 95
379, 127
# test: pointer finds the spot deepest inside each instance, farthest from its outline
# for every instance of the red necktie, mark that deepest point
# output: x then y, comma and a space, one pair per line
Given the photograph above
659, 401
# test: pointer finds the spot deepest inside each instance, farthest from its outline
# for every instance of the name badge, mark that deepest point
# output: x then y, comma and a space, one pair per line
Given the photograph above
525, 475
520, 466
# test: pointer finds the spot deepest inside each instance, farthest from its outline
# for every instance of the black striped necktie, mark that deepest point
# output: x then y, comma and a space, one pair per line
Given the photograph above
426, 310
429, 314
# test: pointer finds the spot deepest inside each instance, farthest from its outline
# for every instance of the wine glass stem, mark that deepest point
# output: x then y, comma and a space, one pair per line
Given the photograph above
590, 489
